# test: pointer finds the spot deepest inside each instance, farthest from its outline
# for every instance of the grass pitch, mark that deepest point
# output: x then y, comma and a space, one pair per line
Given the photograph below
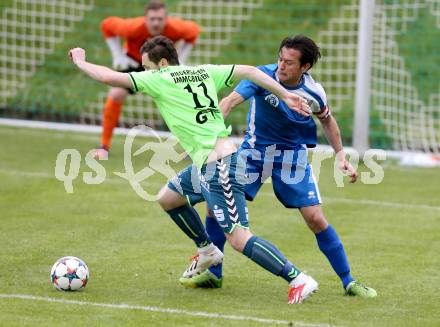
135, 253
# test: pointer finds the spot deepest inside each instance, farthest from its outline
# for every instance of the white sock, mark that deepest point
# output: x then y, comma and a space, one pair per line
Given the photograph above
207, 249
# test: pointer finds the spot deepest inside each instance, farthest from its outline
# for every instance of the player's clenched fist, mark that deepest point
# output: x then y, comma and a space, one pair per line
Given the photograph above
77, 54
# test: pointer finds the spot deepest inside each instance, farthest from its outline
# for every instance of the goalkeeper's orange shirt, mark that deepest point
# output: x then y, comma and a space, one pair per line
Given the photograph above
135, 32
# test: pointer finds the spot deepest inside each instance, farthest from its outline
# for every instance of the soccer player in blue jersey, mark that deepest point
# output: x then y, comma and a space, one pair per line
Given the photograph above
275, 145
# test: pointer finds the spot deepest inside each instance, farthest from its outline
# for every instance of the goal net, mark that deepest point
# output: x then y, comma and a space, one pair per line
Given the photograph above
29, 31
405, 89
39, 83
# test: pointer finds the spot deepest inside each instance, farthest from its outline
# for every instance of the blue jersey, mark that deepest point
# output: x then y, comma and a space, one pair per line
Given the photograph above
270, 121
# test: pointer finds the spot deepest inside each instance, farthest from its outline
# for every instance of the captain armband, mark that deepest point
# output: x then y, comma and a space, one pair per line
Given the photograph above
324, 113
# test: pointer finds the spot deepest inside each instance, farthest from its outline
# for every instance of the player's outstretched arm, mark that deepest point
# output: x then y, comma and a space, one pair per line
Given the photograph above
99, 73
333, 135
293, 101
230, 102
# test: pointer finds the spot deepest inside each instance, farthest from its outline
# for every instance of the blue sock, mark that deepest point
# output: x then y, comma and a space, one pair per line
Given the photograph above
217, 237
330, 244
270, 258
188, 220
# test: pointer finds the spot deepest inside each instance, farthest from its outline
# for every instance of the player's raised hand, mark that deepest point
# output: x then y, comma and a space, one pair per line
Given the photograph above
298, 104
347, 169
77, 54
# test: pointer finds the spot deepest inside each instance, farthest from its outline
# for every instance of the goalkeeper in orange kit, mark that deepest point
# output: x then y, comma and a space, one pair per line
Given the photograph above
126, 58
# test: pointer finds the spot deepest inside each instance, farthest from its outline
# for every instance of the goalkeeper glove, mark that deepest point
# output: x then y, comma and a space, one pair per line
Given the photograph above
183, 50
120, 60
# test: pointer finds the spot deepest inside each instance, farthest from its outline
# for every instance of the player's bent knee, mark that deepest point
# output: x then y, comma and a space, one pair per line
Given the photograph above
316, 221
169, 200
319, 224
238, 238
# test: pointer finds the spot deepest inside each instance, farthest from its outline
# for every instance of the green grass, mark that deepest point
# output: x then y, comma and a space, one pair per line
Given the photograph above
52, 92
136, 254
5, 4
263, 33
413, 47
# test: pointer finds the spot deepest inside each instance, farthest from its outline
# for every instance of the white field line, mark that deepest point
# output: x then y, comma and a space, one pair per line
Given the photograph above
398, 205
93, 129
162, 310
63, 127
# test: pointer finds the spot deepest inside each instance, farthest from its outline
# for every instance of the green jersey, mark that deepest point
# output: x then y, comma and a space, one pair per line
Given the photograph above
187, 100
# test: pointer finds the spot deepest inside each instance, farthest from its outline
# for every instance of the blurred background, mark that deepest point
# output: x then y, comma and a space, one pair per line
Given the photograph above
402, 43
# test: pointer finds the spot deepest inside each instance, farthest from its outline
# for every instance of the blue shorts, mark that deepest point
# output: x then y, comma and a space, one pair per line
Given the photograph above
293, 181
221, 184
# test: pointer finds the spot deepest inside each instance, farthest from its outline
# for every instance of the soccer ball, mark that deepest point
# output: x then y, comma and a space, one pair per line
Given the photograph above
69, 274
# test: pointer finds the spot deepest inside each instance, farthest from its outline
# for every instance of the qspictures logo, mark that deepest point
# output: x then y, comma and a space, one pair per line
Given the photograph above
68, 162
162, 152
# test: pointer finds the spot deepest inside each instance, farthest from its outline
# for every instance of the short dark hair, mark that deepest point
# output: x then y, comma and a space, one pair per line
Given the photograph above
160, 47
309, 50
155, 5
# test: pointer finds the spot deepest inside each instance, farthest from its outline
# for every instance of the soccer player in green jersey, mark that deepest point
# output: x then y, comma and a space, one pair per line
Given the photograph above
187, 99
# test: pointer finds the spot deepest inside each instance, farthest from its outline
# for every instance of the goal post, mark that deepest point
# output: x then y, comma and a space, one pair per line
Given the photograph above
363, 76
380, 66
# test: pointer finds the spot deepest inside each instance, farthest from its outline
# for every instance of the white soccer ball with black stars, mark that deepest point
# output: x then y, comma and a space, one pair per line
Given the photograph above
69, 274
